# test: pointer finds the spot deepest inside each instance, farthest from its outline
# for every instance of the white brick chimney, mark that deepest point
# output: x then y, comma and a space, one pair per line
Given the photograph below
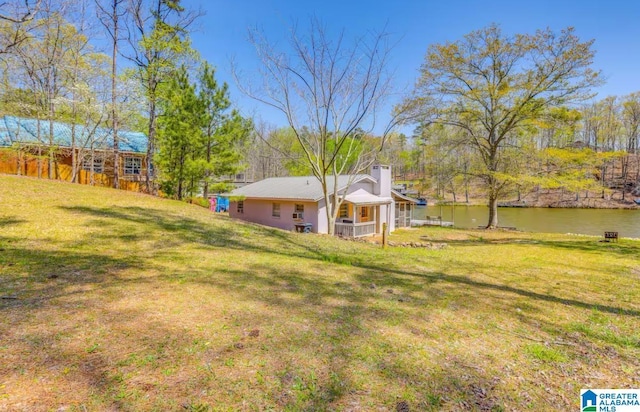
382, 173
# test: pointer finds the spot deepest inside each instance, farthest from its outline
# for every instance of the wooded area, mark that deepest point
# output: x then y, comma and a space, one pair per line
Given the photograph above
54, 71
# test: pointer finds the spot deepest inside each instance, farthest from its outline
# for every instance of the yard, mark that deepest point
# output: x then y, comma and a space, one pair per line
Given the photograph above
121, 301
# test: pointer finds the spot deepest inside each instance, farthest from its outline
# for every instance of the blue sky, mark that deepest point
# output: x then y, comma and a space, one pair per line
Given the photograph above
221, 34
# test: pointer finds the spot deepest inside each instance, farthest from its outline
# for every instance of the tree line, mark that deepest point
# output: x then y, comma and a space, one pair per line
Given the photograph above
591, 148
144, 77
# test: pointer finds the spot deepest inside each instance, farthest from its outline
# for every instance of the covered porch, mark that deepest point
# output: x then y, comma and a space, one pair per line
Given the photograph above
404, 209
360, 215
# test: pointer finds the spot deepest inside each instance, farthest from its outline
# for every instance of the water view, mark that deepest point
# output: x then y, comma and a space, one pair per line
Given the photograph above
582, 221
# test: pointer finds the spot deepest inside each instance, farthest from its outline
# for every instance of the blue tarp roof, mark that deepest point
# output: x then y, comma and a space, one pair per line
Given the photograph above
20, 130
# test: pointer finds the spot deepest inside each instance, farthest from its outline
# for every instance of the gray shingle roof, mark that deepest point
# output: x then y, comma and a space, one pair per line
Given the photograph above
20, 130
294, 188
403, 197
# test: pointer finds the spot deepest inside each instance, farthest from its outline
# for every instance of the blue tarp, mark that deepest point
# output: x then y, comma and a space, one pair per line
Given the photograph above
15, 130
222, 204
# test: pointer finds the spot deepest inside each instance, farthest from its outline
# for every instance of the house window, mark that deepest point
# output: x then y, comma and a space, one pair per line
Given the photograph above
298, 211
132, 165
240, 208
275, 210
344, 211
98, 164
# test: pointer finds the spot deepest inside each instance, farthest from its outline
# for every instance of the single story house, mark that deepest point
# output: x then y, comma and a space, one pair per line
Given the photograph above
290, 202
26, 146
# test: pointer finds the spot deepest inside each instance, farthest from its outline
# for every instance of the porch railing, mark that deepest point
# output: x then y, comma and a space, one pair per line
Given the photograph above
355, 229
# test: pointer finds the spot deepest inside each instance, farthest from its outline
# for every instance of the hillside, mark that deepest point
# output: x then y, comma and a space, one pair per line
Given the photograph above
120, 301
616, 192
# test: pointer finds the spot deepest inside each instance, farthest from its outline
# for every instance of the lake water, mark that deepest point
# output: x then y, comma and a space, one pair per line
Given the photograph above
584, 221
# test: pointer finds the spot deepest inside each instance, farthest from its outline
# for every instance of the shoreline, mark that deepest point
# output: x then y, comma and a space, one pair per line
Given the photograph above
514, 205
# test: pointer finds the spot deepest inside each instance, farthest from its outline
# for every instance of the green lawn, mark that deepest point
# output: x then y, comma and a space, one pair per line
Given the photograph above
120, 301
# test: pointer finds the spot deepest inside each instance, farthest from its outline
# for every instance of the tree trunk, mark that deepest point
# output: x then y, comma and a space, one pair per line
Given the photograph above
625, 174
151, 144
466, 185
18, 161
114, 111
50, 171
331, 220
39, 160
205, 189
329, 207
181, 174
74, 158
493, 211
39, 136
604, 178
92, 178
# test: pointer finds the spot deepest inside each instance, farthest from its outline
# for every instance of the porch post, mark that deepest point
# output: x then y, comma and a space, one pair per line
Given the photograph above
375, 217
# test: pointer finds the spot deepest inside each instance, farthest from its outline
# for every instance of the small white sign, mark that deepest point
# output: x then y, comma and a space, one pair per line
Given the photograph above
610, 400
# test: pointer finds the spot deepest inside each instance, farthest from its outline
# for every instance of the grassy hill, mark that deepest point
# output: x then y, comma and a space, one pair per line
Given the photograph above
120, 301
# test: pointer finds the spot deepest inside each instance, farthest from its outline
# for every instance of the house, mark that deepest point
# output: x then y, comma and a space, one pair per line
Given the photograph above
287, 202
589, 400
27, 145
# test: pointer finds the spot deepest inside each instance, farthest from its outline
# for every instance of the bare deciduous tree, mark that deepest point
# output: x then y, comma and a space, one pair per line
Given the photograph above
111, 16
21, 12
330, 91
14, 16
